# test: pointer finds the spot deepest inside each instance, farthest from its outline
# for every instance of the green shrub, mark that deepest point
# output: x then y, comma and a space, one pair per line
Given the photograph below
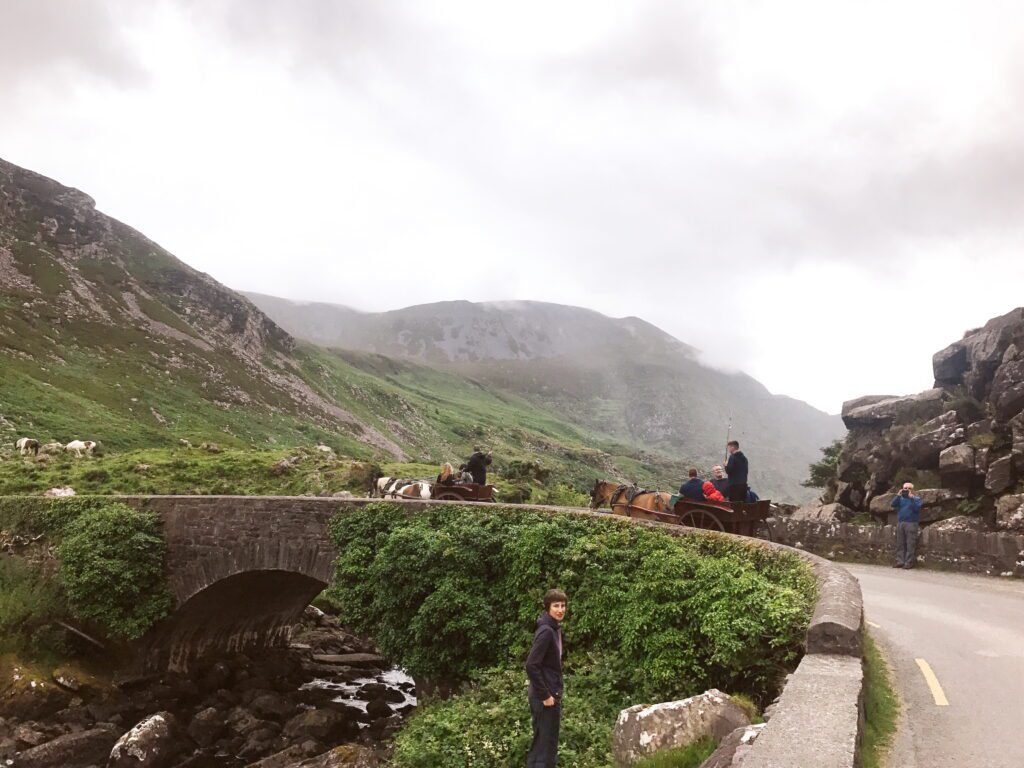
452, 591
968, 408
823, 472
691, 756
111, 564
561, 495
28, 601
982, 440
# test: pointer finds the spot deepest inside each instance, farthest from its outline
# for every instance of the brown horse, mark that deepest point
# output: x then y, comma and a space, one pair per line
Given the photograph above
628, 499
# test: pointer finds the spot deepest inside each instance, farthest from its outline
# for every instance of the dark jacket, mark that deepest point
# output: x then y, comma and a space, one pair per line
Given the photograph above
736, 469
477, 467
721, 485
544, 664
751, 496
692, 489
908, 508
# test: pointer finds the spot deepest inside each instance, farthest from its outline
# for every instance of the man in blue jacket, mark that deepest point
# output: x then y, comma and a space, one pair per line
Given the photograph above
736, 468
908, 518
692, 488
544, 669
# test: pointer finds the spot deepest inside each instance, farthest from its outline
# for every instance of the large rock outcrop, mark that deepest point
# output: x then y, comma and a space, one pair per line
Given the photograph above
961, 443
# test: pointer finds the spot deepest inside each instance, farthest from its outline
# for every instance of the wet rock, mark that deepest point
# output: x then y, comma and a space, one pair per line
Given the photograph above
642, 730
259, 742
345, 756
365, 660
288, 758
26, 696
72, 750
207, 726
216, 678
272, 706
325, 725
27, 735
152, 743
378, 708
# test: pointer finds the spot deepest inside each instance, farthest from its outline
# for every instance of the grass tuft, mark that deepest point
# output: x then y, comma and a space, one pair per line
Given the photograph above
690, 756
881, 706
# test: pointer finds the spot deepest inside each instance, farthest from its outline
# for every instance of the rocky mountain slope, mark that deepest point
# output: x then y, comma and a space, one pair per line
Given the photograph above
621, 377
961, 443
104, 335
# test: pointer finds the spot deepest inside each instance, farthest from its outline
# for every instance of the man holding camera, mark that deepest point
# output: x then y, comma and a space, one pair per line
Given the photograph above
908, 517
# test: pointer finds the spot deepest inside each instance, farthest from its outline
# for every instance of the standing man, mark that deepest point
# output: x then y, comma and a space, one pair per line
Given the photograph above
719, 480
544, 669
477, 466
736, 467
908, 519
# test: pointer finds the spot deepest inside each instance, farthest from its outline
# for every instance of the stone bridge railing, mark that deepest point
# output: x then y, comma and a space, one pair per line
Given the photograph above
242, 569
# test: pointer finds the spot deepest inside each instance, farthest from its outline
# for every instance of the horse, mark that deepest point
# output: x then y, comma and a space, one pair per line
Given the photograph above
78, 447
417, 490
26, 445
625, 499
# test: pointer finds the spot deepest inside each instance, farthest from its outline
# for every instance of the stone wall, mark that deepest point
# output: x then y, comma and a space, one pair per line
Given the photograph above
966, 551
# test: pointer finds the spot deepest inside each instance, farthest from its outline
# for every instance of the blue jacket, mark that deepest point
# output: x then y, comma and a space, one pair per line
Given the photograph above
751, 496
692, 489
736, 469
544, 664
908, 509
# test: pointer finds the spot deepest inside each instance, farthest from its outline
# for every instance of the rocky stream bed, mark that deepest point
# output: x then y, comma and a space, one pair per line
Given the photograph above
327, 701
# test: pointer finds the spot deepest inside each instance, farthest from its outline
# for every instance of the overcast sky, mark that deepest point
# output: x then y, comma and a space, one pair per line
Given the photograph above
820, 193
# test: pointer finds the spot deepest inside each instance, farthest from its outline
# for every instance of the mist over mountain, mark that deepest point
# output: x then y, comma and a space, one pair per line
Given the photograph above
622, 377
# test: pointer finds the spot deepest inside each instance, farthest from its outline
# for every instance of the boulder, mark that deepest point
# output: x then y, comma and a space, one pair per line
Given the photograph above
71, 750
923, 449
734, 748
1008, 390
1010, 513
956, 465
345, 756
152, 743
59, 492
272, 706
642, 730
260, 742
824, 513
950, 365
325, 725
290, 757
27, 736
850, 495
25, 696
958, 523
206, 727
884, 412
1001, 475
881, 504
981, 461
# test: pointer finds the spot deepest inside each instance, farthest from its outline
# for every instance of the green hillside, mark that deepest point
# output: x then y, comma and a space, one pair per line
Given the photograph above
106, 336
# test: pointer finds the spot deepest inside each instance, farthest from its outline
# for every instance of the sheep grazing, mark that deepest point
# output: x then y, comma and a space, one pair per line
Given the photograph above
78, 447
27, 445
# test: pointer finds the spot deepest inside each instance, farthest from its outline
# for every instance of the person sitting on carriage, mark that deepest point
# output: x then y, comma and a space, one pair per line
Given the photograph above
711, 493
719, 480
692, 488
477, 466
751, 496
447, 476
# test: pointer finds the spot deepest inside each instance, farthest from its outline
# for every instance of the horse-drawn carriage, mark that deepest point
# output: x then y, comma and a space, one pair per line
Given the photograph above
463, 492
745, 519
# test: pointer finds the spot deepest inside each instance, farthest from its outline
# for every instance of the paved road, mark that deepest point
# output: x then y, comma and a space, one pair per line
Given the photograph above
970, 633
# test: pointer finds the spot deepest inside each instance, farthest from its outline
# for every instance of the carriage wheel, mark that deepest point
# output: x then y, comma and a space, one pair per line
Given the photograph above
448, 497
701, 518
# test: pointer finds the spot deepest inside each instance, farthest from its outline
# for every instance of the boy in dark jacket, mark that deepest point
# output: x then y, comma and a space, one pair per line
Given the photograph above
544, 669
692, 488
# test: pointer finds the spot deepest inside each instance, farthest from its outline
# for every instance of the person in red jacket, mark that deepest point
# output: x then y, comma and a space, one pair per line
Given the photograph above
711, 493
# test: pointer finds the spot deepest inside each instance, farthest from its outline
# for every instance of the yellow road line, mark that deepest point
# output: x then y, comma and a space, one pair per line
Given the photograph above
933, 683
874, 626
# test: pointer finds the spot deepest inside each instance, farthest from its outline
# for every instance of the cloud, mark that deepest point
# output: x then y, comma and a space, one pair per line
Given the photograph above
57, 42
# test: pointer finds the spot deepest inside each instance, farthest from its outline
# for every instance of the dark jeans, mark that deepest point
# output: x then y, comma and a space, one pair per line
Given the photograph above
546, 720
906, 544
737, 493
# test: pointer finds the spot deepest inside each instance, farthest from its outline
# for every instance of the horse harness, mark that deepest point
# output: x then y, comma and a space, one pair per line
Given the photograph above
631, 492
